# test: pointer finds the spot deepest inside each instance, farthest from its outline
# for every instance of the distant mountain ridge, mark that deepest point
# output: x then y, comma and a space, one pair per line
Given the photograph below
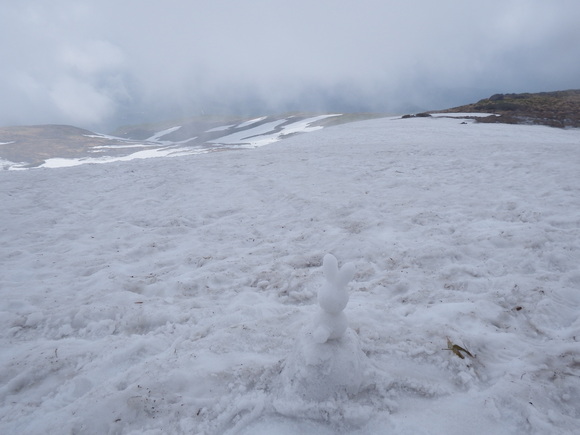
555, 109
23, 147
32, 145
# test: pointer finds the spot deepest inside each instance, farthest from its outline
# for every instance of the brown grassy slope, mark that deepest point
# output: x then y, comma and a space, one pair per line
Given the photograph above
556, 109
33, 144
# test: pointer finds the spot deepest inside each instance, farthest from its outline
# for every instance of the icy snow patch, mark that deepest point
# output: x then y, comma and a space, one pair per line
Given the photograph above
256, 136
220, 128
144, 154
250, 122
159, 135
463, 115
268, 133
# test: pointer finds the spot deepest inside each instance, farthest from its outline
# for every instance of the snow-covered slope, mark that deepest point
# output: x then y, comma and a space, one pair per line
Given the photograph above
169, 295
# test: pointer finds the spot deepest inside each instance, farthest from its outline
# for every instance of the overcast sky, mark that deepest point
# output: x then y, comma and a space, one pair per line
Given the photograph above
100, 63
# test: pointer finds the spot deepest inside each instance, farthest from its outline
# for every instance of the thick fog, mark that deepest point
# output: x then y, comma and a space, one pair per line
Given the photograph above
101, 63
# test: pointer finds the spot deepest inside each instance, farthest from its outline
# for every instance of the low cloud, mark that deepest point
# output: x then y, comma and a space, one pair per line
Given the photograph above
98, 64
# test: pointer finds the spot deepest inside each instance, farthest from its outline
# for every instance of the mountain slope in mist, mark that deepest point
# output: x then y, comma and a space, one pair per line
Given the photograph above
61, 145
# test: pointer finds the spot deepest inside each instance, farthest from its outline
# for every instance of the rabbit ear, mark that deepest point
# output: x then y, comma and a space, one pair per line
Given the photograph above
346, 274
330, 267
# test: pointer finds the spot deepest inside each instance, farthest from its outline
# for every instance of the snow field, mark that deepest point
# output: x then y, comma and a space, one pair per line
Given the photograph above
169, 295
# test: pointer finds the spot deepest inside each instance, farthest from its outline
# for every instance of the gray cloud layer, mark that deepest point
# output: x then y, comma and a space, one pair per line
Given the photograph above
98, 63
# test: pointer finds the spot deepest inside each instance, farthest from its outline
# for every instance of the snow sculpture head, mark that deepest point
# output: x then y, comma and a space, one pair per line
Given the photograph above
331, 322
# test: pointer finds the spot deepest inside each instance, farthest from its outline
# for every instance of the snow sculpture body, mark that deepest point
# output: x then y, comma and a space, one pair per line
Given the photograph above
331, 322
327, 360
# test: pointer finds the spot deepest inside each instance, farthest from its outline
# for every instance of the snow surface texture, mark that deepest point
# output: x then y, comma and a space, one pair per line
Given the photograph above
168, 295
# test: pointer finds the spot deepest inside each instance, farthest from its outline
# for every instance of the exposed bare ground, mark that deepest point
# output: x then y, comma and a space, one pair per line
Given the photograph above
555, 109
34, 144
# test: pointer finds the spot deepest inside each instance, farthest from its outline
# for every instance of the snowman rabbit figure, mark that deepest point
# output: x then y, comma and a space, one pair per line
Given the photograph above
330, 322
